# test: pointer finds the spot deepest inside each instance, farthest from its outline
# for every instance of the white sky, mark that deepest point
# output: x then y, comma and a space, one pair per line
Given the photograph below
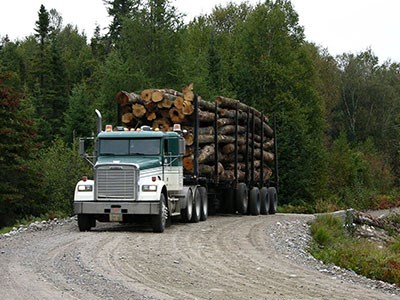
339, 25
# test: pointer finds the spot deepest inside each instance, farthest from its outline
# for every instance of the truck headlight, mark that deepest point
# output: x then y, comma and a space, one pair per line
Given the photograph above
149, 188
85, 188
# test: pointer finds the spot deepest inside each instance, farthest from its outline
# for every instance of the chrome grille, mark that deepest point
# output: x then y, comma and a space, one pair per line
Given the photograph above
116, 183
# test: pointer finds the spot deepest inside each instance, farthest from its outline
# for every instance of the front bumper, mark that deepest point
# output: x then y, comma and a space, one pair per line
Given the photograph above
135, 208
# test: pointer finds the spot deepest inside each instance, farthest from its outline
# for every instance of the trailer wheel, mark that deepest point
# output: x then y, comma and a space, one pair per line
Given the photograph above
242, 198
197, 207
204, 203
186, 212
158, 222
85, 222
254, 201
229, 201
264, 201
273, 200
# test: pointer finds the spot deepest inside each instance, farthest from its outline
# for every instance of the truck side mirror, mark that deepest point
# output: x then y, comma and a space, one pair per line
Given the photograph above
82, 152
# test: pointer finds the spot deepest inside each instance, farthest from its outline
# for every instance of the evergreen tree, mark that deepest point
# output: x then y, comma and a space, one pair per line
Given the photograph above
118, 10
275, 73
42, 33
97, 45
193, 59
150, 42
20, 185
80, 117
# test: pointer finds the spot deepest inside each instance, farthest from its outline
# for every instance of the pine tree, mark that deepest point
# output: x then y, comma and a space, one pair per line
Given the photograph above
20, 186
42, 33
118, 10
80, 117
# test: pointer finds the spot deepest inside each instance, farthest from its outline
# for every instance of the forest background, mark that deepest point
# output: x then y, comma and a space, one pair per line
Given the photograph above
337, 117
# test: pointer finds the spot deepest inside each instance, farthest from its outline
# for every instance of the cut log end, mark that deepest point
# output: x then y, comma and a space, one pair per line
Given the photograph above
138, 110
161, 124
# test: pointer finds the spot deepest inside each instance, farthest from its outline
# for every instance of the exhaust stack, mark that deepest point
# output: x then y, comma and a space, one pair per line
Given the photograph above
99, 121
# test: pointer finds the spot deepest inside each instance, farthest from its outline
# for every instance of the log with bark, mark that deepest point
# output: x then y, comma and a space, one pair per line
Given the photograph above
206, 154
160, 108
209, 169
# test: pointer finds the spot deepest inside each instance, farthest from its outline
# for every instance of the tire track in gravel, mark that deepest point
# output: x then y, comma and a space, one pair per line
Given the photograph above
226, 257
116, 258
24, 274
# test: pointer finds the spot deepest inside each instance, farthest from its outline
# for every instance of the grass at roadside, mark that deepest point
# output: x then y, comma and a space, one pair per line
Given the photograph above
334, 243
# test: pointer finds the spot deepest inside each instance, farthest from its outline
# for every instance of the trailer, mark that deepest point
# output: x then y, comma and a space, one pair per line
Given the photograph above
139, 172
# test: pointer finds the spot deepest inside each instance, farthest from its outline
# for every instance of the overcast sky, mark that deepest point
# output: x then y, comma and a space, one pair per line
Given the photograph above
338, 25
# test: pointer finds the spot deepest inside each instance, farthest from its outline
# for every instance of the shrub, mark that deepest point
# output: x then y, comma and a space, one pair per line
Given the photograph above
61, 168
332, 244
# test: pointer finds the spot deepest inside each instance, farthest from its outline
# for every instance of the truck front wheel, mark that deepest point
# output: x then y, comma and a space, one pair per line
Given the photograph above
159, 221
85, 222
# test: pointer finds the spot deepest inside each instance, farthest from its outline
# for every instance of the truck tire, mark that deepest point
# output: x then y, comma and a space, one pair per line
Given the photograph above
242, 198
204, 203
264, 201
158, 222
273, 200
85, 222
229, 201
254, 201
187, 212
196, 207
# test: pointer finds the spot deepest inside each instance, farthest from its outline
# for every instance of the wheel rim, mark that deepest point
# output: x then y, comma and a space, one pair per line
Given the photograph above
164, 213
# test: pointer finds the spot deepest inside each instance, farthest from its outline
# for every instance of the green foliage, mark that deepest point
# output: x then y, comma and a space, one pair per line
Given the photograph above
357, 174
274, 73
42, 25
20, 184
326, 230
60, 168
80, 117
337, 118
119, 10
115, 76
150, 43
333, 245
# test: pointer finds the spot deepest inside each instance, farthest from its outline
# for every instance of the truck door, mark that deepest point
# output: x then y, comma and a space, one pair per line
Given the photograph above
172, 162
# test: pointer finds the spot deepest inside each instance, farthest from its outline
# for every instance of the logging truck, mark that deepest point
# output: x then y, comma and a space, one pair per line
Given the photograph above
207, 157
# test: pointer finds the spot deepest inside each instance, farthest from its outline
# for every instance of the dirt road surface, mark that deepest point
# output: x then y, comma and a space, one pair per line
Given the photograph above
226, 257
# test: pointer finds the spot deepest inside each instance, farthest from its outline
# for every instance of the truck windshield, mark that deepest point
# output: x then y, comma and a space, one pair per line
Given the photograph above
129, 147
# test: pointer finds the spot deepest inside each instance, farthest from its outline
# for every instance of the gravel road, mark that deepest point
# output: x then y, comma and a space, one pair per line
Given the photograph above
226, 257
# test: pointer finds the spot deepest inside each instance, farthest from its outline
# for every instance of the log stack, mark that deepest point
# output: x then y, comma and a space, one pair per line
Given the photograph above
161, 108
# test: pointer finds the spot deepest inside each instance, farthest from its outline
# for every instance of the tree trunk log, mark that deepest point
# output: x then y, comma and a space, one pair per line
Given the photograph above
127, 118
187, 92
206, 154
225, 121
162, 124
225, 102
138, 110
178, 103
209, 170
176, 115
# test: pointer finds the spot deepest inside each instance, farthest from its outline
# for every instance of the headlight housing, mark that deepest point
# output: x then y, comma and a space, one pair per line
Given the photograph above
85, 188
149, 188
